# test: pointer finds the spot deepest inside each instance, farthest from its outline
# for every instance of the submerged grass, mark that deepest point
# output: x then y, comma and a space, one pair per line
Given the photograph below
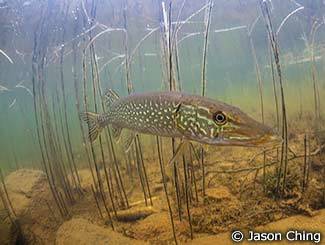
207, 22
66, 133
6, 56
189, 181
316, 95
43, 127
163, 174
138, 145
282, 170
167, 60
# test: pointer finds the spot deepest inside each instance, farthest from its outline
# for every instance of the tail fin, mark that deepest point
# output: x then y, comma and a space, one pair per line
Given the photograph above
92, 119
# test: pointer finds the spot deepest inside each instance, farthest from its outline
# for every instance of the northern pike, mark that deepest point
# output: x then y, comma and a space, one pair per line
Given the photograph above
180, 115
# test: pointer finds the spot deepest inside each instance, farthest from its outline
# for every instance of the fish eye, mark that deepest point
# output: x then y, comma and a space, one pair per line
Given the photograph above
220, 118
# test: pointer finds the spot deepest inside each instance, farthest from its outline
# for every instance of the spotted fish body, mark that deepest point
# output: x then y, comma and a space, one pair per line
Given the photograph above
151, 113
174, 114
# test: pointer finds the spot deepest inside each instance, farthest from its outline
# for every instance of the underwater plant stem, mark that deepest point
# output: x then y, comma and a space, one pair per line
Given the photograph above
308, 162
76, 90
185, 167
108, 180
264, 172
92, 148
97, 203
80, 121
37, 116
162, 171
52, 211
85, 104
176, 183
203, 171
6, 56
74, 169
305, 165
111, 151
250, 169
171, 79
94, 77
138, 161
127, 63
6, 193
60, 166
54, 139
15, 159
287, 17
276, 101
207, 22
178, 68
275, 50
95, 80
144, 168
60, 172
315, 27
102, 192
64, 204
96, 84
94, 74
258, 76
6, 207
85, 100
138, 148
118, 171
193, 174
57, 166
168, 55
205, 47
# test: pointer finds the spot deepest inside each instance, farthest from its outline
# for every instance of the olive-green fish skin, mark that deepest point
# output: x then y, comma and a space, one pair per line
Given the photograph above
150, 113
191, 117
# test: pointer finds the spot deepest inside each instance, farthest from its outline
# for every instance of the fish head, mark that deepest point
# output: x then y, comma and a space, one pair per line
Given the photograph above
217, 123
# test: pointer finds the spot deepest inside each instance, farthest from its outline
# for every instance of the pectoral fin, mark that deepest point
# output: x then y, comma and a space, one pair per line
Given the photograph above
178, 152
127, 138
116, 131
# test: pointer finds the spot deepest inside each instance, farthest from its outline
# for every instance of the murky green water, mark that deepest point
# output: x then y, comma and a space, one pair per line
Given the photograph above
231, 75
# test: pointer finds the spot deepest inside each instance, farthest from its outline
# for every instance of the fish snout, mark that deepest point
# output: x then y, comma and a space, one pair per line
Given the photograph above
261, 134
268, 136
274, 138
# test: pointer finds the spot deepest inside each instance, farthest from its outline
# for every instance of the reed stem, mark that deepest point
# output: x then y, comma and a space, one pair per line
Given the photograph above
162, 171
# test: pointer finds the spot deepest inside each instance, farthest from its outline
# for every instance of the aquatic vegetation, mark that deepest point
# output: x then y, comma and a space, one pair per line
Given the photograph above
20, 85
156, 159
4, 89
6, 56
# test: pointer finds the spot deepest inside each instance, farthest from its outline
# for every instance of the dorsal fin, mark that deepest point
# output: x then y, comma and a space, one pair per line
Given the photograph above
110, 96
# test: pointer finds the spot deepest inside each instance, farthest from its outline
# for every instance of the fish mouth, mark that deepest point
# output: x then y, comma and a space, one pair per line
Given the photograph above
262, 141
261, 136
